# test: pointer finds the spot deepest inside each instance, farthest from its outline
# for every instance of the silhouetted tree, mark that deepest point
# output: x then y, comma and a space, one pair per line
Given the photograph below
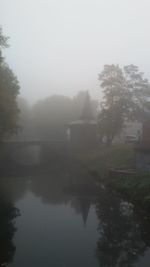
125, 93
7, 229
110, 122
9, 89
25, 121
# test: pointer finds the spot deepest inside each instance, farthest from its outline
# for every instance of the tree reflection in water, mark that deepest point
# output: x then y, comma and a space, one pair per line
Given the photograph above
120, 242
51, 190
7, 229
11, 189
123, 233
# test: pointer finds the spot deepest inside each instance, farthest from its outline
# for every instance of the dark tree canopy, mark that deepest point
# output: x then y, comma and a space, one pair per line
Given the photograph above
9, 89
7, 230
125, 94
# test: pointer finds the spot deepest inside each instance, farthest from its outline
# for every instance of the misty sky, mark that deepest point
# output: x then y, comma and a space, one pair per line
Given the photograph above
60, 46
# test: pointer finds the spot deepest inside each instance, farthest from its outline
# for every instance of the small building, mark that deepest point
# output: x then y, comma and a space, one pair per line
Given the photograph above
83, 132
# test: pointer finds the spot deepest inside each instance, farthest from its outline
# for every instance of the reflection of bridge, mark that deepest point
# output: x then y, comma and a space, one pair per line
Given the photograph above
31, 151
34, 142
51, 144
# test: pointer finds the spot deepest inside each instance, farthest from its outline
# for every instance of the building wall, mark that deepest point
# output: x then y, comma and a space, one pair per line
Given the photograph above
83, 136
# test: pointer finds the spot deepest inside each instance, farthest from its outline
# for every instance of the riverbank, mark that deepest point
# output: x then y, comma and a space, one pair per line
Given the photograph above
128, 182
135, 188
101, 160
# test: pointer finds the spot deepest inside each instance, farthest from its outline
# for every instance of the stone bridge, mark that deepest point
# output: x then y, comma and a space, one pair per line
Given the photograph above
21, 143
30, 152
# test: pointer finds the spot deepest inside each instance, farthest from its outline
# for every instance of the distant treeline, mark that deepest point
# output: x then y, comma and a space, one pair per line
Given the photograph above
48, 118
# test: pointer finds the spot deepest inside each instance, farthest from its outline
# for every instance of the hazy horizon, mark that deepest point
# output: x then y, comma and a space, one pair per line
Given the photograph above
59, 47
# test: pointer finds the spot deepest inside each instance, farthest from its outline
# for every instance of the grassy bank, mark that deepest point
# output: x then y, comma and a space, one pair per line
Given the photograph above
133, 186
100, 161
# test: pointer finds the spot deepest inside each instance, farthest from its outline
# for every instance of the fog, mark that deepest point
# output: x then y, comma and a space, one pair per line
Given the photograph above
74, 133
49, 118
60, 46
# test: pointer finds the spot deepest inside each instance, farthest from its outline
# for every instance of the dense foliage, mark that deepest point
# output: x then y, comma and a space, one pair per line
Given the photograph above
125, 94
9, 89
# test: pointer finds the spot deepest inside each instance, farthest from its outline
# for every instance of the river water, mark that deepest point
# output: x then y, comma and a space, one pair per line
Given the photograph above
49, 220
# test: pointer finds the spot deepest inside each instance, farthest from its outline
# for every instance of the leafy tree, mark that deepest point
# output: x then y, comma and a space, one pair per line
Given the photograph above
9, 89
110, 121
125, 94
24, 120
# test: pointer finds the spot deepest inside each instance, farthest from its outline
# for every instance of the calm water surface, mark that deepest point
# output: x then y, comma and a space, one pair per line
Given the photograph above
43, 226
54, 234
